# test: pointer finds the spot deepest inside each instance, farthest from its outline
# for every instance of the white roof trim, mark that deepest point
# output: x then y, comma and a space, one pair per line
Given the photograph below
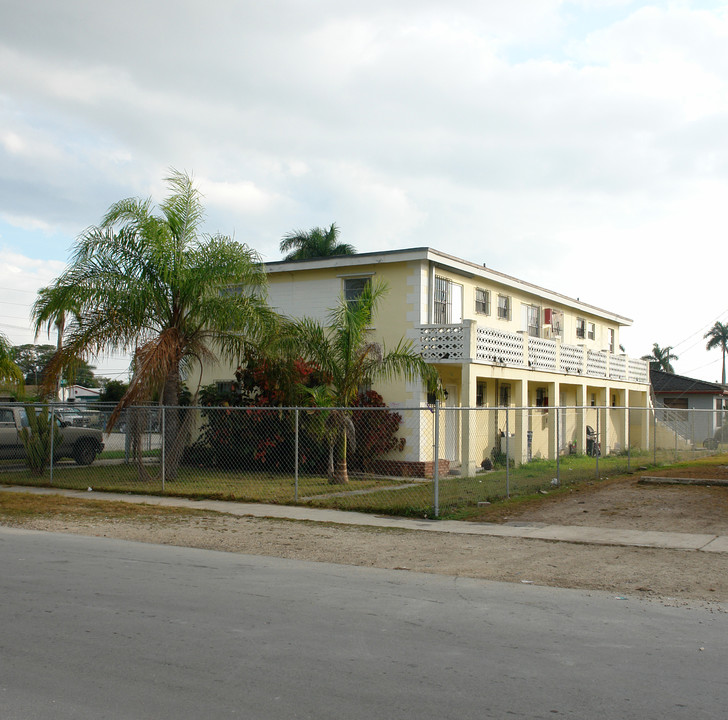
448, 262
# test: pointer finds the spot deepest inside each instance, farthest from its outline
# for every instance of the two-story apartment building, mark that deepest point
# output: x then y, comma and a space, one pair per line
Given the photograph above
496, 341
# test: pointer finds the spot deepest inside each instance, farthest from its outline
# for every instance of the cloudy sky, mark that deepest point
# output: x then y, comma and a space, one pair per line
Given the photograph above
581, 146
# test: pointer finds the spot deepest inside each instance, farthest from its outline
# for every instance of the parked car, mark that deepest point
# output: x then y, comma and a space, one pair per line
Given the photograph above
69, 417
80, 443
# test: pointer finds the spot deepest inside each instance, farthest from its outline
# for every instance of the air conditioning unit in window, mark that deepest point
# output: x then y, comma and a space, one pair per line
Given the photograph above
555, 320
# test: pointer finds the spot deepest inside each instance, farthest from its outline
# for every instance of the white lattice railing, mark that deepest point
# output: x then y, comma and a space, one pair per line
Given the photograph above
638, 370
542, 353
572, 359
618, 367
596, 364
493, 346
499, 347
443, 342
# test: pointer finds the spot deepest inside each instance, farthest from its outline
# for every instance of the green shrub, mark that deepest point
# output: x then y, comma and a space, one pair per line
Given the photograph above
36, 438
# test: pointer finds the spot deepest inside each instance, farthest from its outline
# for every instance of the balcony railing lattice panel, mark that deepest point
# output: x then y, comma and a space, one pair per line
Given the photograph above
541, 353
499, 347
442, 342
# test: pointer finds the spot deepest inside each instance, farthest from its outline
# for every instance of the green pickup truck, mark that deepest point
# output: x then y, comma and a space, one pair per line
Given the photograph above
80, 443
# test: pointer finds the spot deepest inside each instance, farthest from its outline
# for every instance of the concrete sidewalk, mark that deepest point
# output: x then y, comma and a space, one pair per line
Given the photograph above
535, 531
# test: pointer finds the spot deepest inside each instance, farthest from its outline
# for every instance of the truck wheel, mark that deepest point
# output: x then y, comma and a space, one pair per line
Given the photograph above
84, 453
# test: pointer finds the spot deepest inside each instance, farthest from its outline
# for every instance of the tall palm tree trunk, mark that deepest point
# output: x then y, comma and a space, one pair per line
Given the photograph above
173, 435
341, 472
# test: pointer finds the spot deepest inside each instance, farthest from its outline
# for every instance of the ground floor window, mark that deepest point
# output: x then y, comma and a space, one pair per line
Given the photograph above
481, 394
504, 396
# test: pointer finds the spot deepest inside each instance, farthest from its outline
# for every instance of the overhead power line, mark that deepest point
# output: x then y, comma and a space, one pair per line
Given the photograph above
701, 331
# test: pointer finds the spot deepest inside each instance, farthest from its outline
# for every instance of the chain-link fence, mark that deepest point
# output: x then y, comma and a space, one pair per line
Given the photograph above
427, 462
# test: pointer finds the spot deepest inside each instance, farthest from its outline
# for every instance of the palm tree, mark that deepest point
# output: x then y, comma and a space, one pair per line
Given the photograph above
718, 335
49, 313
344, 353
661, 358
318, 242
152, 285
9, 371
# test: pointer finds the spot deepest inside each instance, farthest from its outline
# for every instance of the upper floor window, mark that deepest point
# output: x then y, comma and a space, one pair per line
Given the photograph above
447, 306
611, 340
354, 287
532, 320
580, 328
482, 301
504, 307
591, 331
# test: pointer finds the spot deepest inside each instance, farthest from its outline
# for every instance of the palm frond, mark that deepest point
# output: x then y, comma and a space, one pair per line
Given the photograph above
9, 370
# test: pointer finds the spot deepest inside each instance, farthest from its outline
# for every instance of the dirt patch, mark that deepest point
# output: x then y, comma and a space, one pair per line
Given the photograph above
629, 505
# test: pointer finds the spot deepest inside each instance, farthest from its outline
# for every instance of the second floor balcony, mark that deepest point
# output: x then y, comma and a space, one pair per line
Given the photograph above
470, 342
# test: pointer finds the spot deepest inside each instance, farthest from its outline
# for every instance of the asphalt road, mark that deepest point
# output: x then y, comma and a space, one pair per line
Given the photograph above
98, 628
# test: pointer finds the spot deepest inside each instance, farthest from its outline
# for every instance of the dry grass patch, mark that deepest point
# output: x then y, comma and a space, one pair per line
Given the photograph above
27, 506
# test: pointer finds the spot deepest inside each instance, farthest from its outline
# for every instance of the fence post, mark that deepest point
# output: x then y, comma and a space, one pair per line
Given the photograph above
558, 450
53, 435
508, 460
436, 455
654, 435
597, 444
676, 442
295, 463
164, 444
629, 434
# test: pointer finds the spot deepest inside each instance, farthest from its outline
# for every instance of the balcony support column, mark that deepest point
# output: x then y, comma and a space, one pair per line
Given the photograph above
617, 419
519, 426
469, 385
580, 419
554, 390
470, 344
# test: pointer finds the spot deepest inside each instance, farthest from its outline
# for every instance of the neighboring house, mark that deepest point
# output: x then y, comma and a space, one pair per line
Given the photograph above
79, 392
679, 395
496, 342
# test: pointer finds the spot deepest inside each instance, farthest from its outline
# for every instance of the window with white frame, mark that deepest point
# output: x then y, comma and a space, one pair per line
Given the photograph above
482, 301
531, 320
580, 328
504, 307
447, 305
354, 287
591, 331
611, 340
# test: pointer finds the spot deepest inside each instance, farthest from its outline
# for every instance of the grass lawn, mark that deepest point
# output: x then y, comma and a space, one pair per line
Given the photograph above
458, 496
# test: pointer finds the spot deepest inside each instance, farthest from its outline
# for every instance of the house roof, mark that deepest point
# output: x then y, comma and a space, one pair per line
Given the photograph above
670, 384
443, 260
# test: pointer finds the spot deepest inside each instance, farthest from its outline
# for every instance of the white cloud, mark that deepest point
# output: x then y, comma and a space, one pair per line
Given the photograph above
558, 142
243, 197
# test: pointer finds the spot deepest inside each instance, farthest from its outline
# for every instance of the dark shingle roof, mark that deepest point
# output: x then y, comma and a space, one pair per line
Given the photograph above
663, 382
